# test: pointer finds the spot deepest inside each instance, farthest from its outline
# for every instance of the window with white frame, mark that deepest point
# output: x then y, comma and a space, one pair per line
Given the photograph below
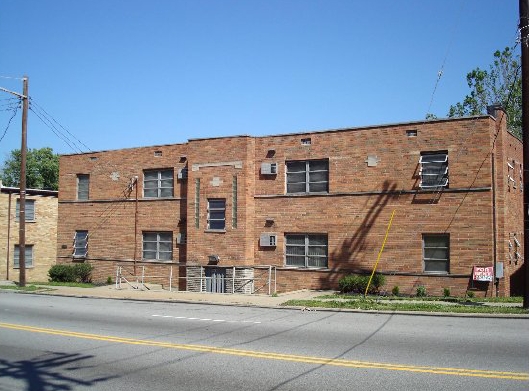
80, 244
158, 183
434, 169
29, 207
436, 253
28, 261
217, 213
158, 246
306, 250
83, 186
310, 176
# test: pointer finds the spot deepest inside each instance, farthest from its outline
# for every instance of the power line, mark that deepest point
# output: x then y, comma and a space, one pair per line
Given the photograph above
15, 110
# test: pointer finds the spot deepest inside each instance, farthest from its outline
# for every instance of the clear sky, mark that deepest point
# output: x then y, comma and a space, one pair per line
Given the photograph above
118, 74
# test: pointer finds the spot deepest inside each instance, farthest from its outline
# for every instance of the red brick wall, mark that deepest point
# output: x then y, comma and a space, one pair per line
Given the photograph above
354, 214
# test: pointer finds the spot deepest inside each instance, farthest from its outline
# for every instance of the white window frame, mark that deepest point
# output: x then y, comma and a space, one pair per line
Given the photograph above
29, 256
431, 251
305, 257
80, 244
217, 214
161, 183
159, 243
83, 187
434, 165
29, 209
308, 170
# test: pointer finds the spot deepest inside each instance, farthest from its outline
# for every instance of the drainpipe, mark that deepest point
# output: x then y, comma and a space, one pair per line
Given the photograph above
8, 233
494, 228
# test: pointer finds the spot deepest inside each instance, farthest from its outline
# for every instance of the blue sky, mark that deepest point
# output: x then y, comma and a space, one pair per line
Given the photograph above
118, 74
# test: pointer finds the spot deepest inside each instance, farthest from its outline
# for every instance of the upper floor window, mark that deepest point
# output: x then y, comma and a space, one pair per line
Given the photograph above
436, 253
29, 209
306, 250
434, 169
217, 213
158, 246
83, 184
28, 260
80, 244
158, 183
311, 176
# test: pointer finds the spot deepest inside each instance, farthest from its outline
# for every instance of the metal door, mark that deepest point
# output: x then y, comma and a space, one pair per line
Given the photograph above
215, 280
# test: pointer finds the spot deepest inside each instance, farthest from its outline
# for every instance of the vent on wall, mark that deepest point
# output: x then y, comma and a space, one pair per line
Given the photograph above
181, 238
268, 168
268, 240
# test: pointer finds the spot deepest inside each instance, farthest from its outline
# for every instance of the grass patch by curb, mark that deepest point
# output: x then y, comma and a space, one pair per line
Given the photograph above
384, 305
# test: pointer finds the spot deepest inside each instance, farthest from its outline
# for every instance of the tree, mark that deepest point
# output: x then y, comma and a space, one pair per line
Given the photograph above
500, 84
42, 169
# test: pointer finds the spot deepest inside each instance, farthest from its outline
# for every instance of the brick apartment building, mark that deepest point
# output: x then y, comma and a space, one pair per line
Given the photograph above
41, 233
299, 211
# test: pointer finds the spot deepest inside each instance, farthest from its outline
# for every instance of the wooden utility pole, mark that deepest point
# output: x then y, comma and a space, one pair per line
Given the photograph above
524, 35
22, 209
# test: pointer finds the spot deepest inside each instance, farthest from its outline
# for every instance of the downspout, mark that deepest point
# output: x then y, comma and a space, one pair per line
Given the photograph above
496, 281
8, 234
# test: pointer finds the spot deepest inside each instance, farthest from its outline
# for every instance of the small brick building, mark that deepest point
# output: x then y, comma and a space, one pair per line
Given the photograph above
299, 211
41, 233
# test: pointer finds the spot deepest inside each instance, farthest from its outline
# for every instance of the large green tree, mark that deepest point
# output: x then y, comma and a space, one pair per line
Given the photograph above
501, 84
42, 169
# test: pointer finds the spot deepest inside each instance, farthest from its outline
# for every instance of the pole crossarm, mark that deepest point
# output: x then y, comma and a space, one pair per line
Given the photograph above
13, 93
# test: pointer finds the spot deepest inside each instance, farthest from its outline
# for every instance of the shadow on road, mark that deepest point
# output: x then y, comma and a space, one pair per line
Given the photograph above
48, 372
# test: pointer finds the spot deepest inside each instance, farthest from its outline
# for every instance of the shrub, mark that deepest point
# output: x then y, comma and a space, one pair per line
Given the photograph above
421, 291
446, 292
61, 273
470, 294
83, 272
395, 291
109, 280
358, 284
80, 272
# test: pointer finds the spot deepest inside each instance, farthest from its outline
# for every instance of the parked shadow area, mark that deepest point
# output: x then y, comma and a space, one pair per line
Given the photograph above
51, 371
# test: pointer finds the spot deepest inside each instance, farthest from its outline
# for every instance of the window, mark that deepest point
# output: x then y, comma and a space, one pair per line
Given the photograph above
158, 246
83, 184
80, 244
434, 169
217, 213
29, 256
310, 176
436, 253
306, 250
29, 209
158, 184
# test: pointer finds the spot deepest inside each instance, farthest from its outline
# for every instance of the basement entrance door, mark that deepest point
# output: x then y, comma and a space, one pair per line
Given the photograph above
215, 280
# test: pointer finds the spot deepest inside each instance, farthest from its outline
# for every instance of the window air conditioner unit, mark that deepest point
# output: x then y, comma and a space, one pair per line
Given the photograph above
182, 173
268, 168
268, 240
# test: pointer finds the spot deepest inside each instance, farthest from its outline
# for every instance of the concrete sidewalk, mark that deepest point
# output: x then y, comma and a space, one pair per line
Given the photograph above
156, 293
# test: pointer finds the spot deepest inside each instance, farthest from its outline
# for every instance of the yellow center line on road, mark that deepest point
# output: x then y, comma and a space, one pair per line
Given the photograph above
523, 376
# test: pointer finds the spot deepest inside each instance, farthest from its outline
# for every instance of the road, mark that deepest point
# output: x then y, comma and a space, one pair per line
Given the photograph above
64, 343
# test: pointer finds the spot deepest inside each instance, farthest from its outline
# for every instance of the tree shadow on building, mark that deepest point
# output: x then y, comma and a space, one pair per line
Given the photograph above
351, 247
49, 372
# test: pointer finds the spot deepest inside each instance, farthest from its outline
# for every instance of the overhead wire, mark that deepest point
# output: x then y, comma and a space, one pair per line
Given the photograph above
15, 110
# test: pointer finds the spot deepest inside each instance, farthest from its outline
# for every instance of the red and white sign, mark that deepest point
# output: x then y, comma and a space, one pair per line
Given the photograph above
480, 273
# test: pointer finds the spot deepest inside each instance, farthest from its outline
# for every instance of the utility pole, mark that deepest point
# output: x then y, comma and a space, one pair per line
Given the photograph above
22, 214
22, 186
524, 35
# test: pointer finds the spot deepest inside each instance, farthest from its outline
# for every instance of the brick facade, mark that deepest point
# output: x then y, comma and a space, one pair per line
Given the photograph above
41, 233
372, 171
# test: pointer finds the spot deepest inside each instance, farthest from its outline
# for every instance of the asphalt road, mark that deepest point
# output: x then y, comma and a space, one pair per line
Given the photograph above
61, 343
